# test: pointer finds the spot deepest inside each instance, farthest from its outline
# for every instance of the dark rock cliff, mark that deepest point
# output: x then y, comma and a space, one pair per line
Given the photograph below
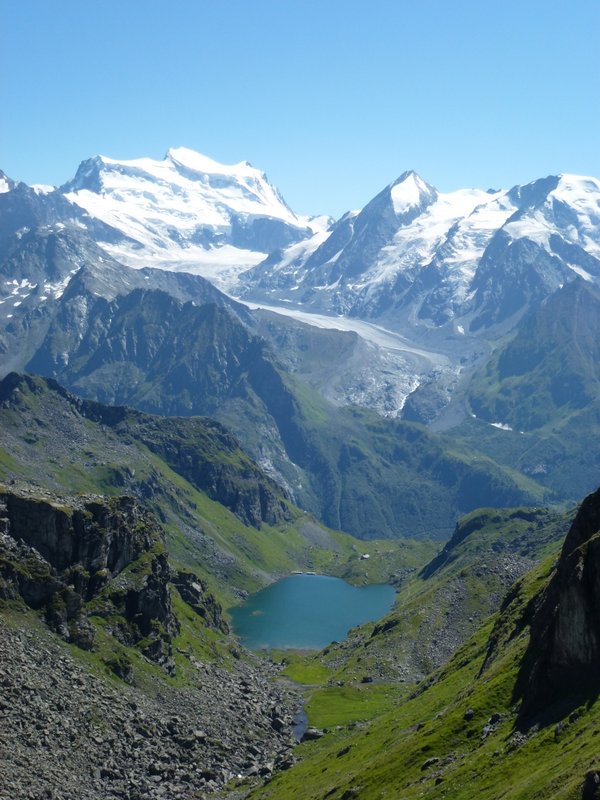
95, 556
561, 668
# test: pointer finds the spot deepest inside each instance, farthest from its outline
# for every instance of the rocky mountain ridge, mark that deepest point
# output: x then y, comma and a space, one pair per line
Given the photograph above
464, 261
560, 669
107, 553
70, 310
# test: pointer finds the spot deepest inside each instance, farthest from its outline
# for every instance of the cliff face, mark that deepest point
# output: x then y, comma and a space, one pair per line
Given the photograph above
100, 536
209, 456
563, 658
100, 556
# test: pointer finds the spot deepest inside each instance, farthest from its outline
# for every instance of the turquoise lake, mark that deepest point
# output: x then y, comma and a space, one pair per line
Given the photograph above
307, 612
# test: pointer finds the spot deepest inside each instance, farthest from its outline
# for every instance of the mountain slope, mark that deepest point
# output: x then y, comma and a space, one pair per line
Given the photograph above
223, 516
439, 607
42, 265
477, 727
549, 370
357, 472
542, 383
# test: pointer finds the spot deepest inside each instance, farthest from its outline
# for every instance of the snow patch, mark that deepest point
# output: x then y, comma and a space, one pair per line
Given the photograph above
42, 188
408, 193
582, 273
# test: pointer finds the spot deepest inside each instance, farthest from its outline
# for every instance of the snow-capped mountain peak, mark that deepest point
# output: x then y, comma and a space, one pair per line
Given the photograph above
197, 162
410, 191
466, 257
186, 212
565, 206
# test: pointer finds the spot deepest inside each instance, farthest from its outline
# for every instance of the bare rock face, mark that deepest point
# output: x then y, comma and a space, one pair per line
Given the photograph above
196, 595
563, 658
69, 559
101, 535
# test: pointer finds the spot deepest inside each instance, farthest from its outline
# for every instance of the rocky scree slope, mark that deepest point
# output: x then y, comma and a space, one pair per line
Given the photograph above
81, 736
115, 716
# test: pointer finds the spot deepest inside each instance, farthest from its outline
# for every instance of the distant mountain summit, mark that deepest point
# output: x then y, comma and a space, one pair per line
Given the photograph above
441, 290
415, 257
6, 183
186, 212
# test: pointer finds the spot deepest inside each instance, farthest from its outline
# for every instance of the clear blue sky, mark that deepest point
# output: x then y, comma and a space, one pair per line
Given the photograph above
332, 99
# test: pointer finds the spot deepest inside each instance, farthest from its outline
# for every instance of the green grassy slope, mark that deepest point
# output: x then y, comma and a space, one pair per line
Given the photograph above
54, 440
456, 735
440, 605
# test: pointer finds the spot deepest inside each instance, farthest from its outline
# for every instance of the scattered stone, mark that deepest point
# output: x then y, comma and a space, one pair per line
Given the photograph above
105, 741
591, 786
311, 734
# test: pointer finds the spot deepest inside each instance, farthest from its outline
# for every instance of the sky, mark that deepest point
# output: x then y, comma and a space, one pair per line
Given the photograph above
332, 99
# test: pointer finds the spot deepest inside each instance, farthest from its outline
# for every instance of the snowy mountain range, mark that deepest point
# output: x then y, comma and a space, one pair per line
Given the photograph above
414, 259
431, 281
419, 259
